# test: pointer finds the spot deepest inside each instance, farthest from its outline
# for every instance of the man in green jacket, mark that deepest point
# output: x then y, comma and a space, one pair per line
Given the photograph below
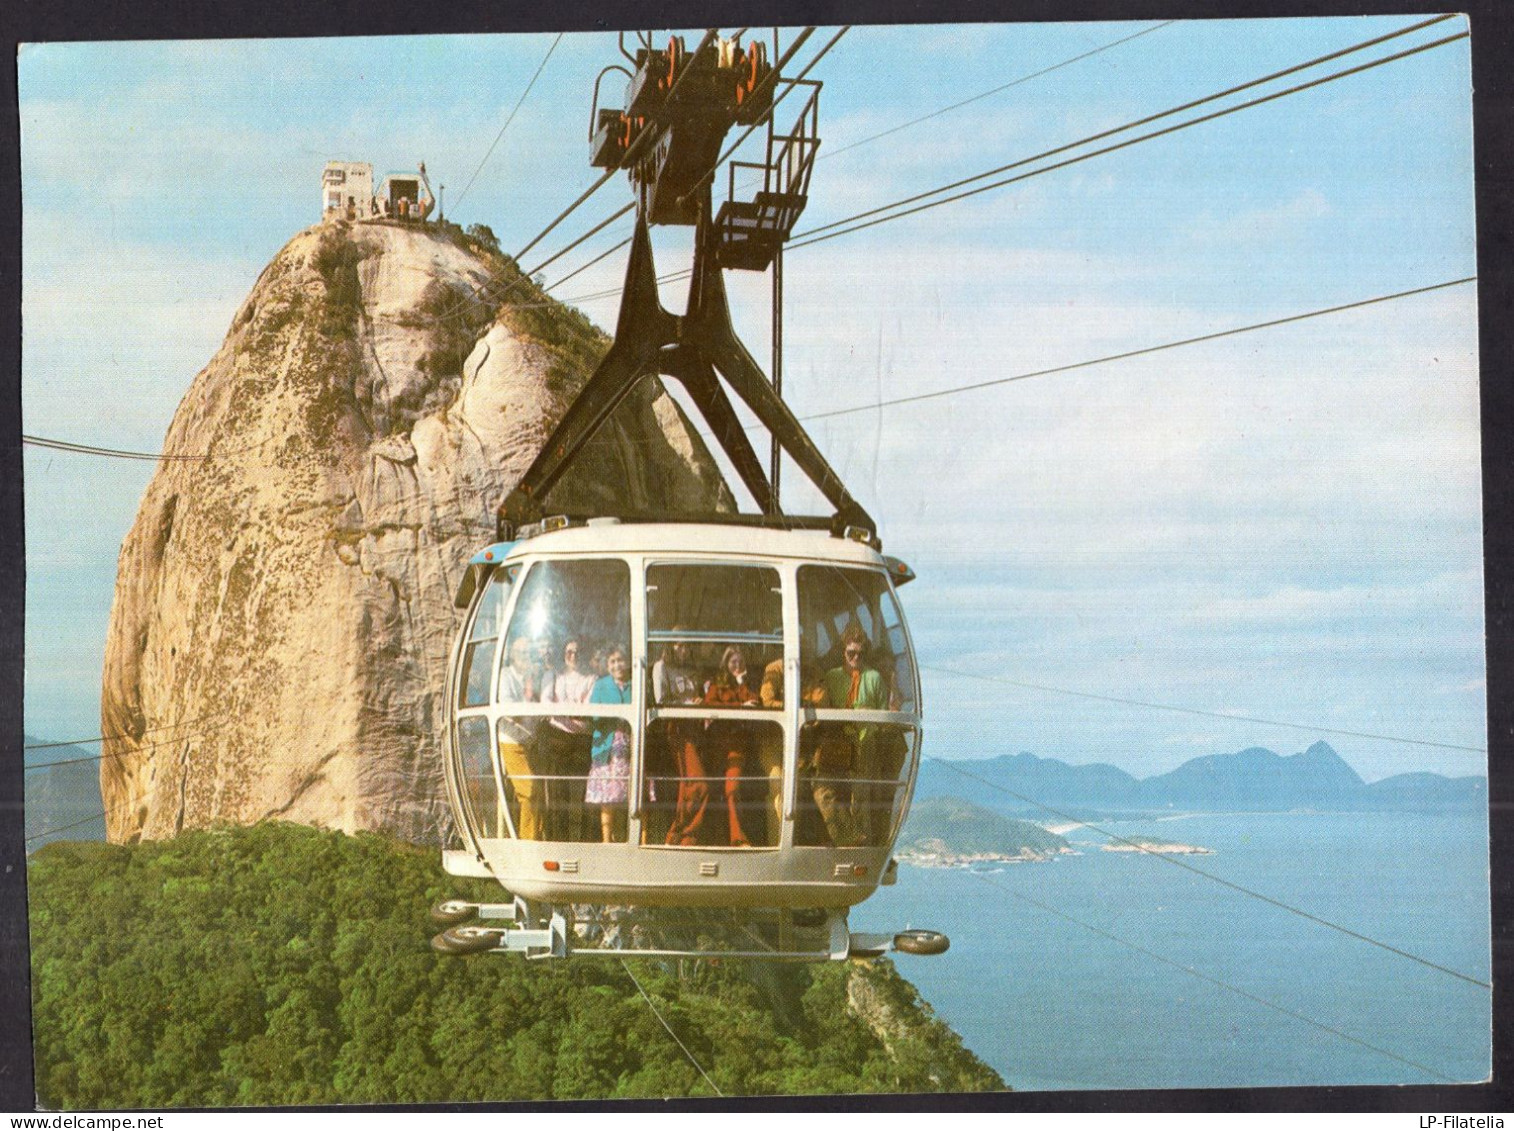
854, 686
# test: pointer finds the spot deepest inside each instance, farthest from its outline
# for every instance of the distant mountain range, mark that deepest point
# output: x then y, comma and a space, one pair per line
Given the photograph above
62, 799
1254, 780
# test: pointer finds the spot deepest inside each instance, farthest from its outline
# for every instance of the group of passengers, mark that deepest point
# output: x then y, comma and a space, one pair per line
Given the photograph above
562, 767
400, 208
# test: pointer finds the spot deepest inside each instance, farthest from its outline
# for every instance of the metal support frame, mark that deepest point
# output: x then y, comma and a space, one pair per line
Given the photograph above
578, 931
693, 349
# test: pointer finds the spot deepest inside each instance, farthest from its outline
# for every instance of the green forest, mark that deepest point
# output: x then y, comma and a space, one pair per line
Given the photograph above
280, 964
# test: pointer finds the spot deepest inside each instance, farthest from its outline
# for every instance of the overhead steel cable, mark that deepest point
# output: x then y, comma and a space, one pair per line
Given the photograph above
1099, 152
113, 737
511, 118
676, 1039
1310, 728
578, 270
92, 450
979, 97
121, 805
118, 755
1147, 850
1148, 119
1193, 972
1270, 323
939, 393
501, 295
594, 231
100, 816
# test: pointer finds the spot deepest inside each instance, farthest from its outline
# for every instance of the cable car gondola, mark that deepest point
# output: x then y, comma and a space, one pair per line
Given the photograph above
674, 734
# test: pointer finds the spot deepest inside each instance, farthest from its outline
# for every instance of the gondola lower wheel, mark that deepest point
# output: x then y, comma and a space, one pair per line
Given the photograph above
451, 912
921, 942
466, 940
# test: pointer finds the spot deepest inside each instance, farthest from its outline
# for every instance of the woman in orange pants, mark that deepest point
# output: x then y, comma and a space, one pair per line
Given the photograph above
731, 688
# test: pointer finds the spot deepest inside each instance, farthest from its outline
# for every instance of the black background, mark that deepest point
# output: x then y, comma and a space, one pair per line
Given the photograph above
1492, 23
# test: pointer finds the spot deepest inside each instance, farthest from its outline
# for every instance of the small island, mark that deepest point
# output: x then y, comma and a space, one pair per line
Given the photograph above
1149, 844
947, 832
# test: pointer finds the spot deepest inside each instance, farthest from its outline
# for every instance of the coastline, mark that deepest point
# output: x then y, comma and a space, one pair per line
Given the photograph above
921, 858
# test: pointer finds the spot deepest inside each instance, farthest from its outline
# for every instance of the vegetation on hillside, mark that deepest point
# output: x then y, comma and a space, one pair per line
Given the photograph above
280, 964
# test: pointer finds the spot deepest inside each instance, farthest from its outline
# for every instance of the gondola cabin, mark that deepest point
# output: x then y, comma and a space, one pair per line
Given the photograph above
404, 195
683, 735
682, 715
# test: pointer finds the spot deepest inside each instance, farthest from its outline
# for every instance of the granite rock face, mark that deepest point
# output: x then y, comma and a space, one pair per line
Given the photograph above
283, 609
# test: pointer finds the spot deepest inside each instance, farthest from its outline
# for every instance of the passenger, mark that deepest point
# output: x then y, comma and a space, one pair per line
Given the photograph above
827, 754
519, 682
597, 663
610, 771
541, 657
730, 688
565, 743
856, 687
770, 748
675, 684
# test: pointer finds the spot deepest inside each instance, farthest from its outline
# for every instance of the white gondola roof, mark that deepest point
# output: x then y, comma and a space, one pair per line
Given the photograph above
602, 537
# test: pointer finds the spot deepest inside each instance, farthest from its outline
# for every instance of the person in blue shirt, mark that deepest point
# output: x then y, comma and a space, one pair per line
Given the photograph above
610, 754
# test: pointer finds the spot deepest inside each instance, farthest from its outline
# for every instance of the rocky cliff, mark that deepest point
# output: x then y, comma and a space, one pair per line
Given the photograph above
284, 597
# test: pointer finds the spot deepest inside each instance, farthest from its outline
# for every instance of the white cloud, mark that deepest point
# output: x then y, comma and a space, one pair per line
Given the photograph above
1293, 603
138, 321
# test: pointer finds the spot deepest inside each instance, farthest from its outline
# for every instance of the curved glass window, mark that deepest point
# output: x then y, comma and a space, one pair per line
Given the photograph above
713, 626
587, 603
479, 786
483, 635
715, 639
566, 657
853, 649
851, 782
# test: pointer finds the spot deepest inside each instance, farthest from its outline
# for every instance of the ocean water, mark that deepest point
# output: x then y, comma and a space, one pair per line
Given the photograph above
1116, 970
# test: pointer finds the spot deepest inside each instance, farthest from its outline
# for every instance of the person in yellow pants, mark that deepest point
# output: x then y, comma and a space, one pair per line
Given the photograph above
519, 683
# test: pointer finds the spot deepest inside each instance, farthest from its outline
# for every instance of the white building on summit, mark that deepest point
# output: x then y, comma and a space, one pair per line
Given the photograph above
347, 193
346, 189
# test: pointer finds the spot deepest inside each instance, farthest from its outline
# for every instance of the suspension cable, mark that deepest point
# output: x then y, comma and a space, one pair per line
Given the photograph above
1312, 729
1176, 862
511, 118
105, 737
1100, 152
915, 397
996, 90
626, 966
1191, 971
1148, 119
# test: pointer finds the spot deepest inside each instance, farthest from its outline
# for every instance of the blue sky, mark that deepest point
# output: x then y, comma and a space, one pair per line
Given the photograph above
1284, 525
